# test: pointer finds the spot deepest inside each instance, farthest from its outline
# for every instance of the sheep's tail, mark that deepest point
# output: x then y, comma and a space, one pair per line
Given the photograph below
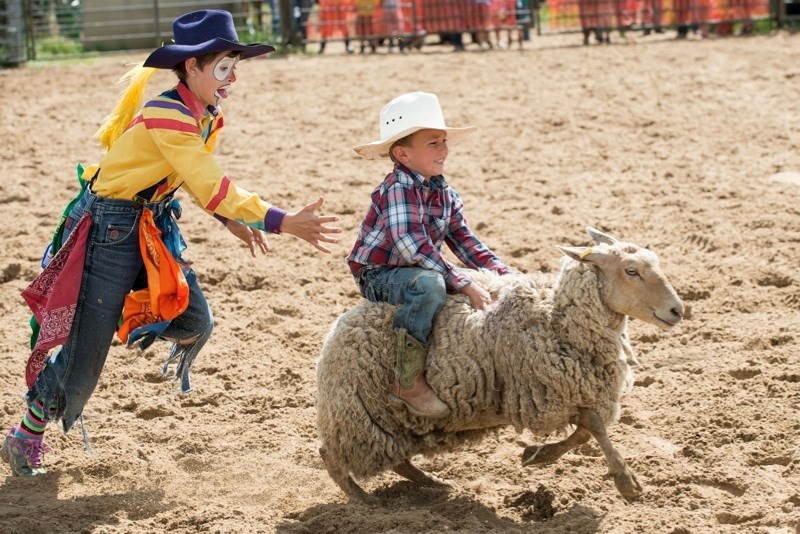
129, 103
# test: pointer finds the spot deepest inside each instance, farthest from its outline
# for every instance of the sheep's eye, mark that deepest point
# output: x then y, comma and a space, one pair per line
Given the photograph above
630, 271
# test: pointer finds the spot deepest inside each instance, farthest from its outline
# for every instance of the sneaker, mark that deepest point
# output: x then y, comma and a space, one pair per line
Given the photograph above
25, 456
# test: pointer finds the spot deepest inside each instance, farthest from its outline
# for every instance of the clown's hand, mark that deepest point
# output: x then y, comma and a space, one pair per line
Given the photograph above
253, 238
310, 227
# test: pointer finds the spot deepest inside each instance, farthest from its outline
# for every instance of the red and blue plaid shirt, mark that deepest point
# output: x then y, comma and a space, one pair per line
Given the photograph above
406, 224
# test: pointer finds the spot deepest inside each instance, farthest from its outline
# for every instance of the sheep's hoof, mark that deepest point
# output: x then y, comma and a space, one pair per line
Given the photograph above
540, 454
530, 455
407, 470
345, 481
357, 495
436, 482
627, 484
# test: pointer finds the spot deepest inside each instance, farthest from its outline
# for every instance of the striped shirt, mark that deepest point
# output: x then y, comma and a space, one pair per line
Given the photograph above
407, 223
169, 145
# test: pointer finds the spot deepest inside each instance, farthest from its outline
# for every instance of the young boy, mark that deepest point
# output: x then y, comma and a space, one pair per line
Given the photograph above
397, 256
151, 152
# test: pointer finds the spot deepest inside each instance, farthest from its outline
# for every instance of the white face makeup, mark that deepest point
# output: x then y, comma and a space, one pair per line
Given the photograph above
224, 67
224, 70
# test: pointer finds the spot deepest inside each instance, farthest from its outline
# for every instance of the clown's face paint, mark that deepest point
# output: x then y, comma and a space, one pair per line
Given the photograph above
225, 67
224, 71
212, 82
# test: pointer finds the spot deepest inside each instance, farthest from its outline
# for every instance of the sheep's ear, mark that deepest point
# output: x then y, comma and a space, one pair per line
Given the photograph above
576, 253
583, 254
599, 237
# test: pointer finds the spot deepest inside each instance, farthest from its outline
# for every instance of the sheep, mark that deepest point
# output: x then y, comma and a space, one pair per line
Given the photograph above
551, 353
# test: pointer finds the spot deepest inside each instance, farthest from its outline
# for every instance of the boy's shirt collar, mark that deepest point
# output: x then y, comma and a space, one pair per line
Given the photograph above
194, 104
408, 177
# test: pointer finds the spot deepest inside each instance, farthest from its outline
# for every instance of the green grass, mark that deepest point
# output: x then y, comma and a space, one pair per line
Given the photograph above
57, 46
765, 26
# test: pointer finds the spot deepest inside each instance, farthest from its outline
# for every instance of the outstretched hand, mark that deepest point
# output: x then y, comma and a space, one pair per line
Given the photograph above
253, 238
310, 227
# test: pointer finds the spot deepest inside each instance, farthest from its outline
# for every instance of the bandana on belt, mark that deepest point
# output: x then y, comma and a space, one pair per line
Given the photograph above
167, 293
53, 297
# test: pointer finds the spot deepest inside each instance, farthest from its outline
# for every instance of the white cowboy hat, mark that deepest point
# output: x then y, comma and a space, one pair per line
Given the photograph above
405, 115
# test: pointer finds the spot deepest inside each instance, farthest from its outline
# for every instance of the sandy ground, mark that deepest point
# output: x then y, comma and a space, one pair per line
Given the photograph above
686, 147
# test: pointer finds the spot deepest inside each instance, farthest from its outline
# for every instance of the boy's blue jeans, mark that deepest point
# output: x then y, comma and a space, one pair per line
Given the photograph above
113, 263
421, 292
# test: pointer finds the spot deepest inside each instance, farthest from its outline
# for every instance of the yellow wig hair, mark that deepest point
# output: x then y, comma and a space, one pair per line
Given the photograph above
128, 106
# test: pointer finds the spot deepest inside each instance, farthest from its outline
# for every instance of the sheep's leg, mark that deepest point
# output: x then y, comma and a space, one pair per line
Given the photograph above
414, 474
344, 480
624, 478
627, 348
545, 454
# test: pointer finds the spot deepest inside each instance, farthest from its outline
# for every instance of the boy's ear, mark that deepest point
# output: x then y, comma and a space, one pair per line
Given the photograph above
399, 153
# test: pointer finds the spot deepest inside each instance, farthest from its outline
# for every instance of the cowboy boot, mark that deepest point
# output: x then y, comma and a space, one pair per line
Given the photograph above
410, 385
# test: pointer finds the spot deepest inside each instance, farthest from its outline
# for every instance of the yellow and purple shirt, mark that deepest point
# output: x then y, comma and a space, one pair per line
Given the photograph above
169, 145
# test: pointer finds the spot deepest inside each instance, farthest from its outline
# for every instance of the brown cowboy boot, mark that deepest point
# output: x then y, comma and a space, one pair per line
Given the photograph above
410, 385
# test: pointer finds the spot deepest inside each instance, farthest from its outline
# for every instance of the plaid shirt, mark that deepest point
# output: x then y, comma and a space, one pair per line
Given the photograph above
406, 224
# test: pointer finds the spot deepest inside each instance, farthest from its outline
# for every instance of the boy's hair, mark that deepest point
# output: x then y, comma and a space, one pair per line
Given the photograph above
202, 61
403, 141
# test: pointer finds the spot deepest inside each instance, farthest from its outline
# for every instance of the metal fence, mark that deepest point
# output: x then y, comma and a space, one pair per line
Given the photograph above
41, 29
35, 29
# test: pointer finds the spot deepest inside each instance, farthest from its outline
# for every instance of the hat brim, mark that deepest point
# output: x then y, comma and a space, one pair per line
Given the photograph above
380, 149
170, 55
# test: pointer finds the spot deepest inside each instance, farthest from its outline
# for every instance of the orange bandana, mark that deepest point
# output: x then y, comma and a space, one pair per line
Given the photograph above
167, 293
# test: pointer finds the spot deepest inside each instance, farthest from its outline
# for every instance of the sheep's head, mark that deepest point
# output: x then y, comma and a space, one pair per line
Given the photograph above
631, 280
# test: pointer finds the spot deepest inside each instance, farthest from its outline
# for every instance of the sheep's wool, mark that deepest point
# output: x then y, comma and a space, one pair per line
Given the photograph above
545, 348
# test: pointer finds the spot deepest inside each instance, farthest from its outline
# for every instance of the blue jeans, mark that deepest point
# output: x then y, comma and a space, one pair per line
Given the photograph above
112, 266
421, 292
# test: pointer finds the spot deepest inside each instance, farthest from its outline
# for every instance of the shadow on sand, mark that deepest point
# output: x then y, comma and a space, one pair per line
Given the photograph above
33, 505
408, 507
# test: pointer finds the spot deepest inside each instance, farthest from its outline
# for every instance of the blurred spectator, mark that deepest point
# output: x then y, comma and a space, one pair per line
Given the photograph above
391, 22
596, 17
524, 18
448, 18
625, 12
480, 22
503, 17
458, 42
254, 11
743, 10
300, 10
334, 20
690, 15
365, 11
652, 11
251, 10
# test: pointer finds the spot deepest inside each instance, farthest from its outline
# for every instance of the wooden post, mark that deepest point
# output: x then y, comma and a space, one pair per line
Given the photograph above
157, 17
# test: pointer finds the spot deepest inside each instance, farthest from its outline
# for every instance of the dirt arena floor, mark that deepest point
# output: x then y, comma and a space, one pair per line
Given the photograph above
690, 148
